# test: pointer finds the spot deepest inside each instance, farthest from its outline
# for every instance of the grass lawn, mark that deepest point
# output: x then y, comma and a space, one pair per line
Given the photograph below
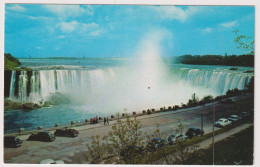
237, 149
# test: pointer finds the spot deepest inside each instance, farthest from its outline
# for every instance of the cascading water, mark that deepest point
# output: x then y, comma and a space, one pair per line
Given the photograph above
218, 80
12, 85
22, 93
43, 83
46, 82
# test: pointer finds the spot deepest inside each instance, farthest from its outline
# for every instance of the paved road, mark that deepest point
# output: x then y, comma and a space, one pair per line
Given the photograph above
206, 143
65, 148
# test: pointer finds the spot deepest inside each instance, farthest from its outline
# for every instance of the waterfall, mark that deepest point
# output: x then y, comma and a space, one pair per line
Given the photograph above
44, 83
22, 93
218, 80
35, 86
12, 86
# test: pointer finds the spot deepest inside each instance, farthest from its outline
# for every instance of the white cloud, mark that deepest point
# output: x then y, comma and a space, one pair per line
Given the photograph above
219, 27
89, 26
95, 33
65, 11
16, 7
173, 12
208, 30
91, 29
67, 27
229, 24
38, 17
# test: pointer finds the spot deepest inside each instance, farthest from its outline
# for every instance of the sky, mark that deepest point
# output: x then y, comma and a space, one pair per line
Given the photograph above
37, 31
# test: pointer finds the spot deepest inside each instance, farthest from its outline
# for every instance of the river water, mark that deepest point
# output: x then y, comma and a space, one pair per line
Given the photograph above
104, 86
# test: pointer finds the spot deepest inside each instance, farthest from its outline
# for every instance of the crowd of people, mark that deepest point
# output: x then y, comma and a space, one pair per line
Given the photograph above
96, 119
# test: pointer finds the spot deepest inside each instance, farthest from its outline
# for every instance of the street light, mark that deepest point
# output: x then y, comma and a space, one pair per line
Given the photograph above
213, 117
201, 114
125, 110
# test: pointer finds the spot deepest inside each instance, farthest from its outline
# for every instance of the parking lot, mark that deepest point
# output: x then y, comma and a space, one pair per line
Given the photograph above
64, 148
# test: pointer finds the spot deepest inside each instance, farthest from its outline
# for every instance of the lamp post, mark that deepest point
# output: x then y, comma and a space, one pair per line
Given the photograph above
125, 110
201, 115
213, 149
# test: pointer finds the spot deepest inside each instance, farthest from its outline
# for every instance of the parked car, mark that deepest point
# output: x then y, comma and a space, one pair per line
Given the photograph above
42, 136
245, 114
12, 141
155, 143
222, 122
51, 161
66, 132
165, 141
234, 118
171, 139
228, 101
194, 132
180, 137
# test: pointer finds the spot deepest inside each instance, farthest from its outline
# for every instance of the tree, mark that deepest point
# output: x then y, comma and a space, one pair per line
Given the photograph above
122, 142
207, 99
125, 137
193, 101
10, 62
244, 43
96, 150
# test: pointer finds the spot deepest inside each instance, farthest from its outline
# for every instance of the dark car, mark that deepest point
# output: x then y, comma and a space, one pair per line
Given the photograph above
155, 143
171, 139
228, 101
244, 114
42, 136
194, 132
66, 132
12, 141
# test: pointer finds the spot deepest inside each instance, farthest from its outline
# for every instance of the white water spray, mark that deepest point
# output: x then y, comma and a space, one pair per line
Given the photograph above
146, 82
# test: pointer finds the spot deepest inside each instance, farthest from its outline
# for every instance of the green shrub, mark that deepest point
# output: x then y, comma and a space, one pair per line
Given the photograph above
10, 62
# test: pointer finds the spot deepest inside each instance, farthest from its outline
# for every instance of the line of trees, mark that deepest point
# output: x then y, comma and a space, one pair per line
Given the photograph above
10, 62
231, 60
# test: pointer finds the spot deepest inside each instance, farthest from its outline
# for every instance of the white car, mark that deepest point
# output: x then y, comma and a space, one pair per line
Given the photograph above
222, 122
234, 118
180, 137
51, 161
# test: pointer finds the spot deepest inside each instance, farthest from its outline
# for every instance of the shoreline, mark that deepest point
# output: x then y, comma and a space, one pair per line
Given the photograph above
140, 115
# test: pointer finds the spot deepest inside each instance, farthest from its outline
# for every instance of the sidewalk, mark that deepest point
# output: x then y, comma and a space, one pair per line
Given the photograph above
207, 143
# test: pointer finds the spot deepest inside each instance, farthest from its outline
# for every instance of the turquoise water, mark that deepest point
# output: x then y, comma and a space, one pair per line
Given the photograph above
105, 86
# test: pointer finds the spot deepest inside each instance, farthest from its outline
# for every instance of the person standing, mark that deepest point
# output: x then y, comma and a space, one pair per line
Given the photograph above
107, 121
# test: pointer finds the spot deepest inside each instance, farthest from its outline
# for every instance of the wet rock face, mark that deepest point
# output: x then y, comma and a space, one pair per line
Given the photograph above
37, 105
13, 105
9, 105
7, 80
29, 106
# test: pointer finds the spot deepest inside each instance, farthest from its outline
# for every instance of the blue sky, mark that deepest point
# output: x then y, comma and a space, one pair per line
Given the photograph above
115, 30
